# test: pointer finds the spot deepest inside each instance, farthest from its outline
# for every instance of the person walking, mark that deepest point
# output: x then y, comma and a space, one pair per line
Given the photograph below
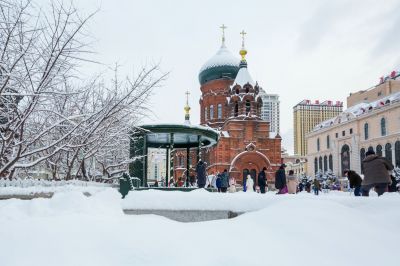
201, 173
232, 185
224, 181
262, 180
280, 180
316, 186
292, 182
354, 180
218, 181
376, 173
249, 184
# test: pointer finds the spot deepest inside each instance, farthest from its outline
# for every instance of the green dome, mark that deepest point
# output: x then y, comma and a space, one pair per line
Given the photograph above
222, 65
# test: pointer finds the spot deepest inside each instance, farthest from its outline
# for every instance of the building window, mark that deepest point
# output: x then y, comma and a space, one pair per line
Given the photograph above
318, 144
366, 132
320, 163
205, 113
328, 144
219, 111
388, 152
211, 112
315, 165
336, 135
383, 126
330, 162
325, 163
236, 111
345, 156
343, 133
397, 153
362, 157
248, 107
351, 131
379, 150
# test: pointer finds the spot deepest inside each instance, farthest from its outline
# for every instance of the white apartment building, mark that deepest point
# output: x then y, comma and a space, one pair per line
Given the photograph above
270, 111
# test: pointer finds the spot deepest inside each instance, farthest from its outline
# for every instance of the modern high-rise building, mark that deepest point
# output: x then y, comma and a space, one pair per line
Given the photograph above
306, 115
270, 111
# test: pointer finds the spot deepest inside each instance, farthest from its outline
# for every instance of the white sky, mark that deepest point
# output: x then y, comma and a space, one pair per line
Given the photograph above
297, 49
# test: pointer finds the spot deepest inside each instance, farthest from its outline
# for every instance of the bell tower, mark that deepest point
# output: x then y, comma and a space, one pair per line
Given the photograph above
216, 76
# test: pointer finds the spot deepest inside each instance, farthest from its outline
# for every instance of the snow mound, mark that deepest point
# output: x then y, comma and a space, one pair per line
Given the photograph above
103, 203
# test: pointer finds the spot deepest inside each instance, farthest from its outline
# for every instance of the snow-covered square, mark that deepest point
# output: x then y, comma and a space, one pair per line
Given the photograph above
73, 229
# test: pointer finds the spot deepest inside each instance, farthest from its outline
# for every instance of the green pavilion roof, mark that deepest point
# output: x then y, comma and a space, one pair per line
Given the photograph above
179, 135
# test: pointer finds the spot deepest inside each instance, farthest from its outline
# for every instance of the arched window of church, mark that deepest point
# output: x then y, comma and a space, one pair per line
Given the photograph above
379, 150
328, 143
211, 111
236, 111
383, 126
219, 111
388, 152
237, 90
205, 113
247, 89
248, 107
325, 163
330, 162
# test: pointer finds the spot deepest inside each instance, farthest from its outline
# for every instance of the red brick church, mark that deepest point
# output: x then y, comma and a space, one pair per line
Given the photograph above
230, 103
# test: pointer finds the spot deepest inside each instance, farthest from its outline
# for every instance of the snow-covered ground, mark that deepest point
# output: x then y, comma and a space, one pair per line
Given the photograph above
34, 186
72, 229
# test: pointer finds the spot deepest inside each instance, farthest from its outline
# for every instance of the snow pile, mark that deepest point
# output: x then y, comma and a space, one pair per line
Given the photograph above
201, 199
31, 186
302, 230
66, 203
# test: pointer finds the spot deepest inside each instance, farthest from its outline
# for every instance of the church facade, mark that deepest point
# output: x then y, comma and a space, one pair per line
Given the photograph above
230, 103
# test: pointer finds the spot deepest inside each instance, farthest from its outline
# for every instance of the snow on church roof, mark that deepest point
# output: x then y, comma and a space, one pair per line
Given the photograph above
222, 58
243, 77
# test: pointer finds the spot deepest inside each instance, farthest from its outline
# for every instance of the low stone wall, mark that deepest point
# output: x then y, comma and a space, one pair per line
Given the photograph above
46, 195
188, 216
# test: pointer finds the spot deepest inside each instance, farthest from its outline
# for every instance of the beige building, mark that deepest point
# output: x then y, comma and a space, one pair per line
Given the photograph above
156, 164
306, 115
341, 142
296, 163
387, 86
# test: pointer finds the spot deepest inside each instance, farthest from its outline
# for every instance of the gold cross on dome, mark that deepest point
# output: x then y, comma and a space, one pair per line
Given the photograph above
223, 27
243, 33
187, 97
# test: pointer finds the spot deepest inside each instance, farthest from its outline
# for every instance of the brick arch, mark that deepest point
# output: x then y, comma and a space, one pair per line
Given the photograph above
248, 160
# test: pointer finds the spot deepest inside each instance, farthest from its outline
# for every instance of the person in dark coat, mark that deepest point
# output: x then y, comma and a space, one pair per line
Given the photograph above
354, 180
262, 180
201, 174
393, 186
218, 181
224, 181
280, 180
316, 186
376, 173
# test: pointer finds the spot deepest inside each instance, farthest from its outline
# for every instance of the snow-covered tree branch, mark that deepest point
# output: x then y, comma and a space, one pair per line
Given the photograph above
49, 117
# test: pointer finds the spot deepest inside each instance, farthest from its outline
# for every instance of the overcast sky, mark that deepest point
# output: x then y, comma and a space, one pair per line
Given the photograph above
297, 49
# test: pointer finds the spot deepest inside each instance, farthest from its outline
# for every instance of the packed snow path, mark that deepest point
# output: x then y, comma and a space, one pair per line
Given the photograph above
72, 229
